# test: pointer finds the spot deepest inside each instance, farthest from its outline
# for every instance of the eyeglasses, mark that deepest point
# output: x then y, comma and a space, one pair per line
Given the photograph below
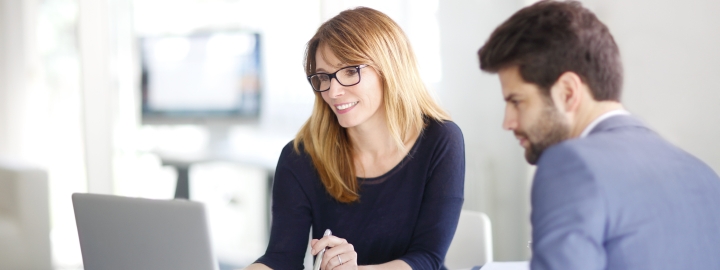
347, 76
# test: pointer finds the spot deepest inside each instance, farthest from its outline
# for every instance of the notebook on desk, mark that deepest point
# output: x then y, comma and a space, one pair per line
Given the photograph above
133, 233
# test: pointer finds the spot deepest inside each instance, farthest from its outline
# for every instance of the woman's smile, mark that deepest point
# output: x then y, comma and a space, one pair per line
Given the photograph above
345, 107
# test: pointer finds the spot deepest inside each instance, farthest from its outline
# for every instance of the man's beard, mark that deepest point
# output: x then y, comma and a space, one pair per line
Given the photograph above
550, 129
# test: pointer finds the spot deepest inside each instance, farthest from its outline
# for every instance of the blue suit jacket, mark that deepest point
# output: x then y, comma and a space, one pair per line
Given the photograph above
624, 198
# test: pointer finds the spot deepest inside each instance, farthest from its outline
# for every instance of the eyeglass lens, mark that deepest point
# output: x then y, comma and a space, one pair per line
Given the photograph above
347, 76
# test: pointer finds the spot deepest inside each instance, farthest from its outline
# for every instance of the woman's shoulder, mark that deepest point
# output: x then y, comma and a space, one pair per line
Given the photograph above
439, 135
293, 156
295, 163
289, 148
442, 129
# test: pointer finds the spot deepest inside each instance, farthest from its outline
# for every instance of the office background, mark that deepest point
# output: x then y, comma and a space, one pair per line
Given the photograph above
69, 94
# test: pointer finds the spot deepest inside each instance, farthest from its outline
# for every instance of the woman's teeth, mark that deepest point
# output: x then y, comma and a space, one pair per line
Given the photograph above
346, 105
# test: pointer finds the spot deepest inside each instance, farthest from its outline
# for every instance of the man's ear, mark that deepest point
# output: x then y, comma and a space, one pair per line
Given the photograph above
568, 91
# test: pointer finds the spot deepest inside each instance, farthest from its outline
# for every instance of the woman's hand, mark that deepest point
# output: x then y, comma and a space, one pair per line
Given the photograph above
339, 254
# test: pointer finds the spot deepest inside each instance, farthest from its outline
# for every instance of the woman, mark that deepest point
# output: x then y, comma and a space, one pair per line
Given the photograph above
378, 163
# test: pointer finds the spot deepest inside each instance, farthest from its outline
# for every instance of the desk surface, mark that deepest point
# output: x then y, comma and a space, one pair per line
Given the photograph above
523, 265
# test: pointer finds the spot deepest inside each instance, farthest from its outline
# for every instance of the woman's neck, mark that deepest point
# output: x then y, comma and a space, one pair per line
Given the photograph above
372, 138
375, 152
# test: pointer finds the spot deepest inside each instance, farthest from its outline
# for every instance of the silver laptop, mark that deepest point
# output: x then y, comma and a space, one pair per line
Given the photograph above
133, 233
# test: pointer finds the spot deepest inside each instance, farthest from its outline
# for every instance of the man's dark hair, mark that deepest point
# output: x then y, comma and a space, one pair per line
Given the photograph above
550, 38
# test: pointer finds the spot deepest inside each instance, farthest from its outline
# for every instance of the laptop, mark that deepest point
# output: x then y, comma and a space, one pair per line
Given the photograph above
134, 233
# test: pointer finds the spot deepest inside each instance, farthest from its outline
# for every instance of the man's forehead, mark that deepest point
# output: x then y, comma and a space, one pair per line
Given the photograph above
509, 81
510, 75
513, 85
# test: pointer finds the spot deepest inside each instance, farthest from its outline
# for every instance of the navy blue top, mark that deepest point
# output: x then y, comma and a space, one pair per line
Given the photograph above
409, 213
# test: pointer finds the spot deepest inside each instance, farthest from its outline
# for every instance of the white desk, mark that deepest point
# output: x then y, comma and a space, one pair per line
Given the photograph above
524, 265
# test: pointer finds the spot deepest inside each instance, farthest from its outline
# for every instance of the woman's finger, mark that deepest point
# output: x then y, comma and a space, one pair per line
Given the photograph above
340, 249
327, 241
337, 255
318, 244
346, 260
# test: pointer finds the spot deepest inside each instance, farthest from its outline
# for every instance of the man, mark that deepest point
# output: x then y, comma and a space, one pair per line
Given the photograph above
608, 192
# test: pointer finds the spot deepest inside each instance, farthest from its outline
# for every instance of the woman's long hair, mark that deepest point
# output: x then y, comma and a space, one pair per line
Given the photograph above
364, 36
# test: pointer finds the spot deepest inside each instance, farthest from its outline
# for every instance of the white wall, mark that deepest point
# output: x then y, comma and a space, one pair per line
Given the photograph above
496, 176
17, 42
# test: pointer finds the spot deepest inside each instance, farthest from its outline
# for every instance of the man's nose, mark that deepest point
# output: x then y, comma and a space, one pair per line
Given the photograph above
510, 120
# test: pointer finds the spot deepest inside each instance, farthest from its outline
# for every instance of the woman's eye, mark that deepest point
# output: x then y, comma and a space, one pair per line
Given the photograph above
350, 72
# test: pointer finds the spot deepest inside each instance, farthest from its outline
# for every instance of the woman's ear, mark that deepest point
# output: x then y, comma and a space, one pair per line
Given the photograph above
567, 92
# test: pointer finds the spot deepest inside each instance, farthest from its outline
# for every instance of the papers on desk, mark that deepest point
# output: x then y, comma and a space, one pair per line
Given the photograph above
502, 266
506, 266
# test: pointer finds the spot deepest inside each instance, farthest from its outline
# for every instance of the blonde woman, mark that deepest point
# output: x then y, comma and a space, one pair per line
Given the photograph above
378, 162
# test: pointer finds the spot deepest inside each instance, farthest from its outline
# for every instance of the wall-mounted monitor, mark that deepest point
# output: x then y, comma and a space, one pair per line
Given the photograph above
201, 77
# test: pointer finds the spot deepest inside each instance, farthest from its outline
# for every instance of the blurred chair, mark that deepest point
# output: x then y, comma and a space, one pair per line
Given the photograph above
472, 244
24, 217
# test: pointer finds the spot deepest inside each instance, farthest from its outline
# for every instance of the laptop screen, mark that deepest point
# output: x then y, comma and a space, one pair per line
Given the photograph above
134, 233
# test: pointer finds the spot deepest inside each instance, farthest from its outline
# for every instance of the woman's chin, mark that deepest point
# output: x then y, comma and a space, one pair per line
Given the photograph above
347, 123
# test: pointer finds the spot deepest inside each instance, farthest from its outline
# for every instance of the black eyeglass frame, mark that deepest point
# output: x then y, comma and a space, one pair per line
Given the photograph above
333, 76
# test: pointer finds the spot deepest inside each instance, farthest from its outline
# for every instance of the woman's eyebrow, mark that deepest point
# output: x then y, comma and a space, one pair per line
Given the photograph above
337, 67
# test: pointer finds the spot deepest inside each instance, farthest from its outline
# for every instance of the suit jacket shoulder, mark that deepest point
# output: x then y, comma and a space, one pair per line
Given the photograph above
624, 198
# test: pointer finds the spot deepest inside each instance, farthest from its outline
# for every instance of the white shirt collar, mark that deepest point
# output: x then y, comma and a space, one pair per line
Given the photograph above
602, 117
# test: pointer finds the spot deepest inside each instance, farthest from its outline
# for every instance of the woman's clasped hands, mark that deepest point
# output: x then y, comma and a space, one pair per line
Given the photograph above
339, 254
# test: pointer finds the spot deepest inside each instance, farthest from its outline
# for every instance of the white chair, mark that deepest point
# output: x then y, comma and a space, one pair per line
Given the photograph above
24, 217
472, 244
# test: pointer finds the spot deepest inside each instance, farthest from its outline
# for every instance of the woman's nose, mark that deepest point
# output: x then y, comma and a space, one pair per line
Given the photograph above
336, 89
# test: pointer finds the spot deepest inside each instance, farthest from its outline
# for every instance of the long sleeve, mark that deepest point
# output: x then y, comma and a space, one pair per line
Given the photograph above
441, 204
291, 218
568, 214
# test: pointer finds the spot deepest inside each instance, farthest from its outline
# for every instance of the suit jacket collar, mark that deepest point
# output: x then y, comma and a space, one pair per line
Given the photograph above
615, 122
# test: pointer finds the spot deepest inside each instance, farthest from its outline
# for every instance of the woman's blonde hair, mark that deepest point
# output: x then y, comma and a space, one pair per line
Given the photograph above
364, 36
